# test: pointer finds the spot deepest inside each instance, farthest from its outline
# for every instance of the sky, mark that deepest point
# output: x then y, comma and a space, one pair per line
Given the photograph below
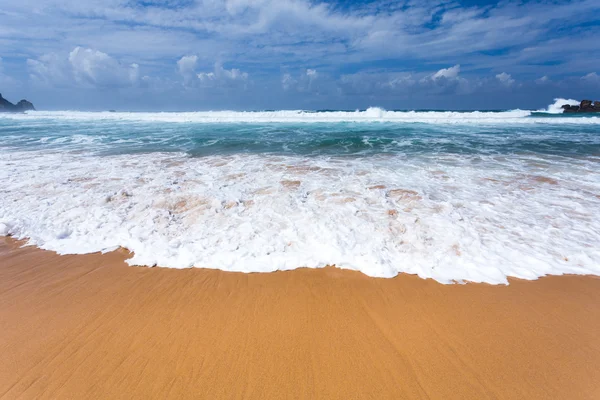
183, 55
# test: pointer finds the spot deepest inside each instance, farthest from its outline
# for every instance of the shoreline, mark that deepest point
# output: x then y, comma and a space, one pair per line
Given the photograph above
125, 254
90, 326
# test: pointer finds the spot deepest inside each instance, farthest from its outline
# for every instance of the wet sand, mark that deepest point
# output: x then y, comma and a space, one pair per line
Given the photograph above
75, 327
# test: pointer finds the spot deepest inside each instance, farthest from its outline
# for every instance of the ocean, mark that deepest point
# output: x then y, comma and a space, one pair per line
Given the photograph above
453, 196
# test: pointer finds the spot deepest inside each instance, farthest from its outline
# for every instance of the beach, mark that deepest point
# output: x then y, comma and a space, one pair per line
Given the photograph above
300, 199
90, 326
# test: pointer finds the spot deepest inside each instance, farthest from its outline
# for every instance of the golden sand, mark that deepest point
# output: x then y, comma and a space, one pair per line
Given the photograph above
83, 327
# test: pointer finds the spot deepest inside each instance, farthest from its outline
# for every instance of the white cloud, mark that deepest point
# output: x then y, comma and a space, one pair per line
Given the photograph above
82, 67
206, 76
361, 31
412, 90
219, 76
401, 81
448, 73
312, 73
223, 75
592, 77
308, 80
266, 35
187, 68
287, 81
233, 74
447, 81
544, 79
50, 70
505, 79
96, 68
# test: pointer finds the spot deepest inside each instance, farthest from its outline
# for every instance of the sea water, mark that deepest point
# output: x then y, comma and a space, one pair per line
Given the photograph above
453, 196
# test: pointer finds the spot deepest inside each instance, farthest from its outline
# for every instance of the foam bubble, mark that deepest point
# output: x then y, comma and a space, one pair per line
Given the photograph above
478, 218
3, 229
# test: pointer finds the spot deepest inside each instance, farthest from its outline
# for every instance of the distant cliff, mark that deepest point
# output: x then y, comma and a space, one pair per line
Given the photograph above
7, 106
586, 106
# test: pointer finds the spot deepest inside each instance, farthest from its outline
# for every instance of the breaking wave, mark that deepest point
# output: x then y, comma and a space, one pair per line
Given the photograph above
474, 196
555, 108
373, 114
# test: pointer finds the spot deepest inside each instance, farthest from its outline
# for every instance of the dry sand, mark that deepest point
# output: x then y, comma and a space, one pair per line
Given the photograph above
82, 327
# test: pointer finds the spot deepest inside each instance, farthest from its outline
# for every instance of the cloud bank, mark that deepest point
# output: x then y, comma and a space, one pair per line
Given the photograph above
289, 53
82, 67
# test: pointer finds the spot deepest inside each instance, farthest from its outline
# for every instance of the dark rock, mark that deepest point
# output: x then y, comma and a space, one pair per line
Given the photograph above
570, 109
21, 106
586, 106
5, 105
25, 105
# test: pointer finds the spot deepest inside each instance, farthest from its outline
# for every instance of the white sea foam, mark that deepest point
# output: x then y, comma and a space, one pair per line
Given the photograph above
450, 218
556, 107
373, 114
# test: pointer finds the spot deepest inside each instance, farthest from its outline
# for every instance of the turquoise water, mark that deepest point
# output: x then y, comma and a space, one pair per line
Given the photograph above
478, 196
337, 138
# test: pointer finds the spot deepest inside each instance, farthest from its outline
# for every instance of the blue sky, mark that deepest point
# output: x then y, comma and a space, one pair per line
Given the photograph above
274, 54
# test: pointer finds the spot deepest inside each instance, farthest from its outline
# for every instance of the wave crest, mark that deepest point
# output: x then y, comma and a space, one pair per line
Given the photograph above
556, 107
372, 114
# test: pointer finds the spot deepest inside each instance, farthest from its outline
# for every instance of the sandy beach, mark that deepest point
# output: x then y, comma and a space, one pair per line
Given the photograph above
90, 326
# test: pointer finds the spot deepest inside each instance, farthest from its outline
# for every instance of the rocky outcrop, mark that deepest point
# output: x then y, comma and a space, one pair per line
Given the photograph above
21, 106
25, 105
586, 106
567, 108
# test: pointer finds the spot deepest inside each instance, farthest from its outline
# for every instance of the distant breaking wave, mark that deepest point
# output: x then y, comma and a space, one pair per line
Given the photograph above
373, 114
556, 107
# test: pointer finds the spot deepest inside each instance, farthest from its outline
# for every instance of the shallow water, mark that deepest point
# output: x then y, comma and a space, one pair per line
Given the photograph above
451, 196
